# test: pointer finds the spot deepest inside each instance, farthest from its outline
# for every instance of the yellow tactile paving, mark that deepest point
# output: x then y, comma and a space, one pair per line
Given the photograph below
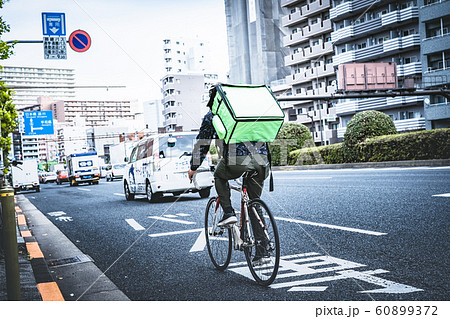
50, 291
34, 250
21, 221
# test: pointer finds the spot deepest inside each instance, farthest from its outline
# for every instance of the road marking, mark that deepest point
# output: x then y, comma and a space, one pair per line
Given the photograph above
302, 273
299, 178
183, 214
119, 194
177, 232
134, 224
84, 189
356, 230
200, 243
56, 214
170, 216
442, 195
172, 220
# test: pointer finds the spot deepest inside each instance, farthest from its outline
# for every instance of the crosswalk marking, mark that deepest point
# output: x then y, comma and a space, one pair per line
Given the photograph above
172, 220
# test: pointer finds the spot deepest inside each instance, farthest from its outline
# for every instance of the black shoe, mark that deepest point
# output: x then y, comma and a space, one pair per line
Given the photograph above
227, 219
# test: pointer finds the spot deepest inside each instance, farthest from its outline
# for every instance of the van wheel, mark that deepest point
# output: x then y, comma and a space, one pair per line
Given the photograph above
126, 189
73, 183
151, 197
204, 193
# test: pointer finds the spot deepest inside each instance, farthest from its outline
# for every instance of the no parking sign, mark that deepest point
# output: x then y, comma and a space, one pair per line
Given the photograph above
80, 41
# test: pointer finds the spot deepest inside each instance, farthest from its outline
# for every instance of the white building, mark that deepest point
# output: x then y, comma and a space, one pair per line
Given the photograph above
33, 82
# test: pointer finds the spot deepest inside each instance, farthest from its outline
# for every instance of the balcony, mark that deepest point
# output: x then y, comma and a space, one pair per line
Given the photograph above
309, 53
398, 16
170, 109
400, 43
315, 7
410, 124
294, 39
409, 69
292, 19
287, 3
348, 8
170, 121
318, 28
379, 103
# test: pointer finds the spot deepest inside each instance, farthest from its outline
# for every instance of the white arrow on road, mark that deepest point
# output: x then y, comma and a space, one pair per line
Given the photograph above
54, 30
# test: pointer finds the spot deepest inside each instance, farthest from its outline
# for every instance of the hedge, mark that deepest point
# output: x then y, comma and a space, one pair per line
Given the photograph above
422, 145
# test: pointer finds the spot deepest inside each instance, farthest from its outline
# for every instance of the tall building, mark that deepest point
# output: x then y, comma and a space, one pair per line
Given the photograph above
185, 84
380, 31
255, 41
310, 60
434, 18
184, 101
33, 82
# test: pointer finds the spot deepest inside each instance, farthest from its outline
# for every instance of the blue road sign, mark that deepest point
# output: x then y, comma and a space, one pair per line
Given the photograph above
38, 122
53, 24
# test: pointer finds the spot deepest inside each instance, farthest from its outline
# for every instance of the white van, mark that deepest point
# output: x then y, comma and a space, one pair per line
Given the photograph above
159, 164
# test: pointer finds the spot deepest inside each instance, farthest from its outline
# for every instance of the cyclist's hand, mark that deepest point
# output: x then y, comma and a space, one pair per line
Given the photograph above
191, 174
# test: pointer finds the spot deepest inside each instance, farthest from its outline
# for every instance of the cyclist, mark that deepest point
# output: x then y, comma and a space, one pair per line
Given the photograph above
237, 159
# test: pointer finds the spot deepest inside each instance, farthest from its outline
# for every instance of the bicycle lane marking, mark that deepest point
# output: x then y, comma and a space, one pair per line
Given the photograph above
302, 273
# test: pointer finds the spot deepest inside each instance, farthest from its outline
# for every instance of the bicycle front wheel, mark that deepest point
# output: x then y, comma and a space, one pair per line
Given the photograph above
218, 240
263, 257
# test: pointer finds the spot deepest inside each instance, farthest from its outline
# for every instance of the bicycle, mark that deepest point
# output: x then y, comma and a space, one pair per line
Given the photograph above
254, 213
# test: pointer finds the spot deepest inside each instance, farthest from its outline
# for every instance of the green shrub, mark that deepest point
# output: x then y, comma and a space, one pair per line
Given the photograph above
328, 154
292, 136
423, 145
365, 125
433, 144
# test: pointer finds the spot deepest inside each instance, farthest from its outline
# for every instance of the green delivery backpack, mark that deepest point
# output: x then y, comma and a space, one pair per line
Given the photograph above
245, 113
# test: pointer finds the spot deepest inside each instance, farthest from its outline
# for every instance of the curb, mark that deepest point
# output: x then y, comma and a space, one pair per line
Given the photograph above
417, 163
48, 288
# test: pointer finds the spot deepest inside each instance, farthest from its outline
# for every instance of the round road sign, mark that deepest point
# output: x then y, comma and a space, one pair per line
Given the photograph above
79, 41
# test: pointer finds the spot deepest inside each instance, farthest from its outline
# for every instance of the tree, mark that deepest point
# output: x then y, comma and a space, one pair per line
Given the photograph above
8, 113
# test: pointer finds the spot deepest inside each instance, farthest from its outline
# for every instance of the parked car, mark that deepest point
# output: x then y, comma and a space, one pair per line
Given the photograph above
62, 176
45, 177
115, 171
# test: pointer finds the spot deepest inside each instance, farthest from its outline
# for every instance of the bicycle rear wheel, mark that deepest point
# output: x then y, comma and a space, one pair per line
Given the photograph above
218, 240
263, 258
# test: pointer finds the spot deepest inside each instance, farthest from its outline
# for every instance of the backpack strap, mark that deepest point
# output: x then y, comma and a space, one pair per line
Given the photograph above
269, 157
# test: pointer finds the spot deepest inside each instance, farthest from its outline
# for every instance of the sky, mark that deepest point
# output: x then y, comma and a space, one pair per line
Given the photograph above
127, 40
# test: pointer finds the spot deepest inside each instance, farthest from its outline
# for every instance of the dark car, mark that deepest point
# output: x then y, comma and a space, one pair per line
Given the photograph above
62, 176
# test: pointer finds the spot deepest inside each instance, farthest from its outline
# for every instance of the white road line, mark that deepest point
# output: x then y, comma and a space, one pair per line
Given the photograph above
134, 224
119, 194
304, 177
170, 216
200, 243
177, 232
183, 214
172, 220
442, 195
355, 230
84, 189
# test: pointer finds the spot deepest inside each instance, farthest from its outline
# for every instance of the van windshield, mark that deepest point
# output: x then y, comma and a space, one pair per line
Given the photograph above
183, 145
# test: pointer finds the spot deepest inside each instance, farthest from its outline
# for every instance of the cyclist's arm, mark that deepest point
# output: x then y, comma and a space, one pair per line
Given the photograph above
203, 143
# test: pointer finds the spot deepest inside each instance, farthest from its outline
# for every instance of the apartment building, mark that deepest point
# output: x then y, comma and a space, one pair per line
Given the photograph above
312, 71
33, 82
186, 83
381, 31
184, 101
95, 113
434, 18
255, 41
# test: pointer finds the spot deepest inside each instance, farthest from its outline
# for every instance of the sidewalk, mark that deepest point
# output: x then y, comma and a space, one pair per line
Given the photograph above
52, 268
77, 276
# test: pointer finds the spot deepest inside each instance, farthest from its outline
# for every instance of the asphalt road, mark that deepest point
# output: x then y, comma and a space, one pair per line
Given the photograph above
351, 234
